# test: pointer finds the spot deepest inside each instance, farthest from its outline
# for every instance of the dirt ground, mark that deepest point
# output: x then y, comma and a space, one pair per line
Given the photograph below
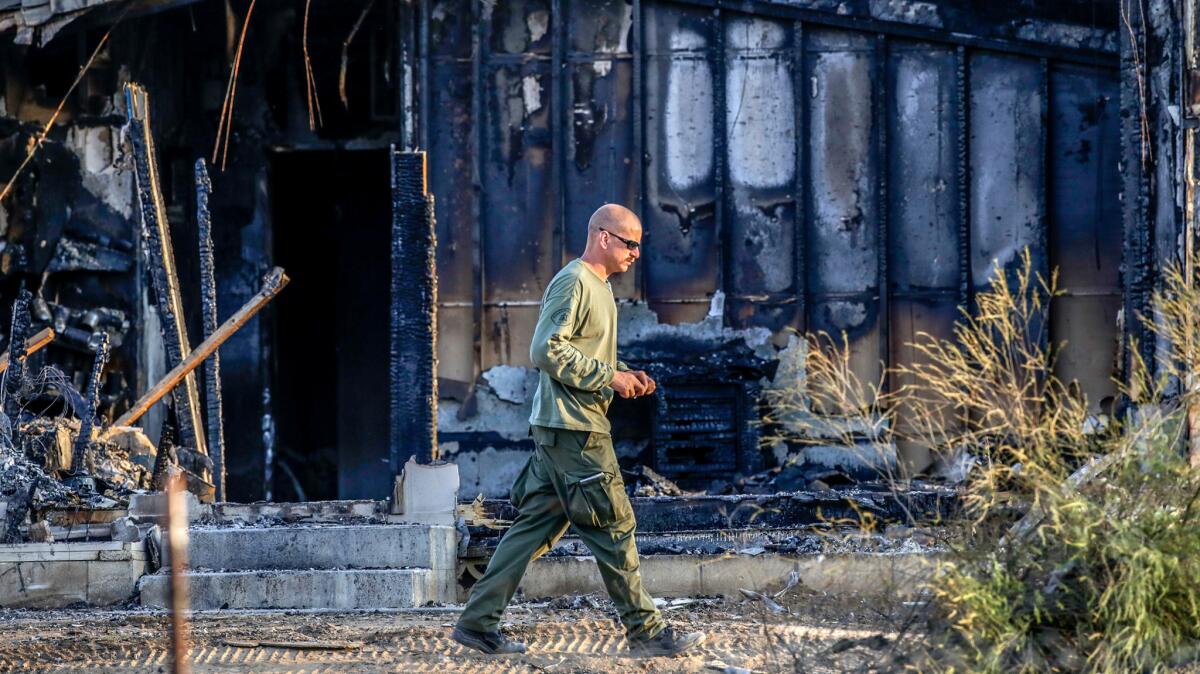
570, 635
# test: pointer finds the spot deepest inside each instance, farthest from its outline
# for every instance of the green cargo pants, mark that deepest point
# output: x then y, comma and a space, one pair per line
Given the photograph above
572, 479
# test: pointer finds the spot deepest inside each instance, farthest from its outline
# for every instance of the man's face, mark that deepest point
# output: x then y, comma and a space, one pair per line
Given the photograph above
620, 251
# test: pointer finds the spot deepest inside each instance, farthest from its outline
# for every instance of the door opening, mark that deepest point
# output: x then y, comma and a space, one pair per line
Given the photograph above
331, 224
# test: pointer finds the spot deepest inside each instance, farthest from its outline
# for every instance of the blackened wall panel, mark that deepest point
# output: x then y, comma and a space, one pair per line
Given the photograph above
843, 268
1007, 170
682, 256
760, 120
1084, 225
923, 197
600, 153
450, 157
518, 209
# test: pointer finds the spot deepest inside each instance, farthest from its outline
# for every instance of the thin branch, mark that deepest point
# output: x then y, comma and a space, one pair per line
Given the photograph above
346, 54
226, 121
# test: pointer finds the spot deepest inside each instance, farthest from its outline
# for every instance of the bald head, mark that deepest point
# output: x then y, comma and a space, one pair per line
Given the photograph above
614, 218
614, 238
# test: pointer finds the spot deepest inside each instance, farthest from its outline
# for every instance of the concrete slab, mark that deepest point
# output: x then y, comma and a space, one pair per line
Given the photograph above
67, 552
104, 575
325, 589
324, 547
724, 575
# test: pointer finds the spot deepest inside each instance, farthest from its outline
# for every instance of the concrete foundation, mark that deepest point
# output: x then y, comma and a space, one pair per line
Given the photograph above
54, 575
324, 547
321, 589
723, 575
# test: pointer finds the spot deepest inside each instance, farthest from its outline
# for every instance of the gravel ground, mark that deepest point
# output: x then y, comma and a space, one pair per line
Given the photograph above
817, 634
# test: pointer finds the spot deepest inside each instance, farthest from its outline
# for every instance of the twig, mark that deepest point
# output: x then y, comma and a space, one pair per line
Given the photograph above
226, 121
346, 54
310, 82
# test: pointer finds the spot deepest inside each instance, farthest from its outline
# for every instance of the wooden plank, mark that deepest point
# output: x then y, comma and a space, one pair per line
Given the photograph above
274, 282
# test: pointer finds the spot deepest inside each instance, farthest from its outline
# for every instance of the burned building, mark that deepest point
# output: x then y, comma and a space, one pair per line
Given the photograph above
856, 167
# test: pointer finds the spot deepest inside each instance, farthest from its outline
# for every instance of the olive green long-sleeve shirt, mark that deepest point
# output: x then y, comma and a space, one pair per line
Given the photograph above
574, 347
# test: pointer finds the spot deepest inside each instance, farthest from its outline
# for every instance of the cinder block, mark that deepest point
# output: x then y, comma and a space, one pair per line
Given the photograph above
328, 589
323, 547
153, 507
52, 584
113, 582
426, 494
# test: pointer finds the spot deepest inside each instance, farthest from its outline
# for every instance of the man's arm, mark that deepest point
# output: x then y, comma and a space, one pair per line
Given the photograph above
551, 350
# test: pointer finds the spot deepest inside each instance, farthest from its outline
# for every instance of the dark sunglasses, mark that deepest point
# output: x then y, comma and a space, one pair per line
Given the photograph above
631, 245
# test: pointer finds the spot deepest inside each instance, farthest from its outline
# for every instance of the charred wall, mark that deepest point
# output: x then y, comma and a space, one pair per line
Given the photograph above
71, 230
842, 166
832, 165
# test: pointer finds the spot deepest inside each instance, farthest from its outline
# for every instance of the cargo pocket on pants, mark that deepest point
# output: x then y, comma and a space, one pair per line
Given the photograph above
589, 499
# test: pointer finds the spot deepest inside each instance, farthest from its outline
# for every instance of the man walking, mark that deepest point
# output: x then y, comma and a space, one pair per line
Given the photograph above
573, 478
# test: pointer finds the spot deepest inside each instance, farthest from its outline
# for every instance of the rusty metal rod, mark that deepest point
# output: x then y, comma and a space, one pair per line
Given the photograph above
177, 543
272, 284
34, 343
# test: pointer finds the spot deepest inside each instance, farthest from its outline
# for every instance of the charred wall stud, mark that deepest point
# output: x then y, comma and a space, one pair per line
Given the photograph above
157, 236
962, 110
208, 307
14, 376
87, 416
800, 182
413, 348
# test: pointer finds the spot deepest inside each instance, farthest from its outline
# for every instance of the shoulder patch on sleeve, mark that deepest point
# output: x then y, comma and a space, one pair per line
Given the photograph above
562, 316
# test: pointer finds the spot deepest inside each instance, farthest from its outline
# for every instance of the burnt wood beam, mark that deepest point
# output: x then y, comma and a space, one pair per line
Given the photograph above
413, 344
156, 234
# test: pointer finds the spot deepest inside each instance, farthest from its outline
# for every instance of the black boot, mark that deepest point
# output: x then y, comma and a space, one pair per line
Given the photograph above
487, 642
665, 642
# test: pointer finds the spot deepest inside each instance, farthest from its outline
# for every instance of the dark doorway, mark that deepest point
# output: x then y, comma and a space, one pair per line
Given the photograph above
331, 222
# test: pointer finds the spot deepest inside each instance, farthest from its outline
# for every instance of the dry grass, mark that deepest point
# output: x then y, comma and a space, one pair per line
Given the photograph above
1078, 544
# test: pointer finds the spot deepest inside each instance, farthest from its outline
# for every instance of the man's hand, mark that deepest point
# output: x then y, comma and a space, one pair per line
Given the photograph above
627, 385
647, 382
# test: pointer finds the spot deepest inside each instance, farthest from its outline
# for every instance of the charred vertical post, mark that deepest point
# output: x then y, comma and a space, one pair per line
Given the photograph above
208, 302
722, 220
881, 109
639, 133
87, 418
156, 235
413, 349
479, 51
14, 377
962, 102
560, 121
1137, 150
799, 186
